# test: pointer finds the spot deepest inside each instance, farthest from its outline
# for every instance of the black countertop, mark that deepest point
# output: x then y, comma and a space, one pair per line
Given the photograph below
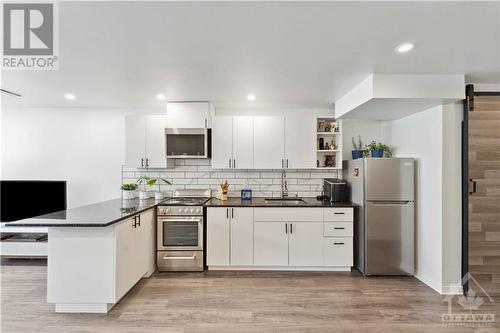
101, 214
106, 213
261, 202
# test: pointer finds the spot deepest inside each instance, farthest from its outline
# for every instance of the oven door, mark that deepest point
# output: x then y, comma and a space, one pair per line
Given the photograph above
180, 233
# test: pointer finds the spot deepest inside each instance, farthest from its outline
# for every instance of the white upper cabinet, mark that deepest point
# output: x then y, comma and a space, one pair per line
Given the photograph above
300, 142
222, 143
155, 142
188, 115
268, 134
145, 142
232, 142
135, 141
264, 142
243, 143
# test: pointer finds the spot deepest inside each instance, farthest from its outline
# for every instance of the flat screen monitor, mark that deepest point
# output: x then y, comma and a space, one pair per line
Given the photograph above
20, 199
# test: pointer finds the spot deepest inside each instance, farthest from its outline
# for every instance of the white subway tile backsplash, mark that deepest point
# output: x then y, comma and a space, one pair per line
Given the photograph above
198, 174
270, 175
247, 175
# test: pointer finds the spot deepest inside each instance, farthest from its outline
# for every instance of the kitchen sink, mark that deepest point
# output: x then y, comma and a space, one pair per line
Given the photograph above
285, 201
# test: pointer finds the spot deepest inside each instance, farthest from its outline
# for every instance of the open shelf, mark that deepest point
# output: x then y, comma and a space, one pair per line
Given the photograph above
328, 133
328, 138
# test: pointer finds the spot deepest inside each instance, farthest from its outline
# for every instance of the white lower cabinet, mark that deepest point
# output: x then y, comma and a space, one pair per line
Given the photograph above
305, 247
218, 236
337, 251
121, 255
279, 237
241, 253
270, 244
134, 251
230, 236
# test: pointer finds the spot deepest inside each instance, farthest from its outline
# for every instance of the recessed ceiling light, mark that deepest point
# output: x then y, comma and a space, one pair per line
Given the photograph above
160, 97
71, 97
251, 97
405, 47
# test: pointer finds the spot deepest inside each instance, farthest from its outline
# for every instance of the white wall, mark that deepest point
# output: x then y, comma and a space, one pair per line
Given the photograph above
420, 136
452, 199
368, 130
433, 138
82, 146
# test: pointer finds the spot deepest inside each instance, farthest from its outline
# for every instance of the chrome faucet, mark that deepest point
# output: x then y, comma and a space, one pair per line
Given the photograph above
284, 188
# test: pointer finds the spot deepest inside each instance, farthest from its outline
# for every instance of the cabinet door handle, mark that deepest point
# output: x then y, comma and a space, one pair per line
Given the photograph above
338, 228
229, 163
282, 163
142, 162
139, 220
206, 125
338, 243
227, 213
286, 228
234, 163
135, 222
232, 213
287, 162
291, 228
339, 213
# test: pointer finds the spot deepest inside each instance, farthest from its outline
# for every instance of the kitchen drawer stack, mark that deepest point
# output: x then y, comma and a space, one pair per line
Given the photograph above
338, 236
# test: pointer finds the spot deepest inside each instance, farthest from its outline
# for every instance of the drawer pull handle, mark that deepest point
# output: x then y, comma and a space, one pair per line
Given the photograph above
179, 258
339, 243
338, 228
336, 213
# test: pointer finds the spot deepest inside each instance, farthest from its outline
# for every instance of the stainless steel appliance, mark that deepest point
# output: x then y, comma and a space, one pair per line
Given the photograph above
384, 228
335, 190
180, 241
188, 142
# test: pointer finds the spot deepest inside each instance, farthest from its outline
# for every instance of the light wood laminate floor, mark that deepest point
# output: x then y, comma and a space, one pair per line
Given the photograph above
237, 302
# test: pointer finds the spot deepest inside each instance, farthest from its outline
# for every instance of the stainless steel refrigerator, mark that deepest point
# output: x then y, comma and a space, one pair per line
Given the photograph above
384, 227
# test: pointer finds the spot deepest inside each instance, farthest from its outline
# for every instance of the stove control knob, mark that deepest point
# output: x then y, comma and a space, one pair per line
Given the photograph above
186, 210
191, 210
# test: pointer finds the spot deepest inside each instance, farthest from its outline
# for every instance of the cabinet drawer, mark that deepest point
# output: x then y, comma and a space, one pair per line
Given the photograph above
337, 251
337, 229
338, 214
291, 214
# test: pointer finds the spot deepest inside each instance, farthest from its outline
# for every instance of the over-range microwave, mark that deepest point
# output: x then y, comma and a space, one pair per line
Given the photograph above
188, 142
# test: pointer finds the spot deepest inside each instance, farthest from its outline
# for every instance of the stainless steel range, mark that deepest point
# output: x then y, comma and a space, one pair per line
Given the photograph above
180, 231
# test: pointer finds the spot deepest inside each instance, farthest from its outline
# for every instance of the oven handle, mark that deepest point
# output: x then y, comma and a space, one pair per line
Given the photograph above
181, 220
179, 258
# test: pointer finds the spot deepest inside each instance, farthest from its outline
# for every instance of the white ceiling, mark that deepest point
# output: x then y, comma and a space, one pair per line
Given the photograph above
121, 54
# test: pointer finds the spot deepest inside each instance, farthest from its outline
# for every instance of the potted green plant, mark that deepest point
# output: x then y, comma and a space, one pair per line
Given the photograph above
128, 190
149, 182
357, 151
377, 150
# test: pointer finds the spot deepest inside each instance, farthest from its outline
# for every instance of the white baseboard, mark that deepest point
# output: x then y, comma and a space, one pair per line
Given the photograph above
452, 289
83, 307
280, 268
